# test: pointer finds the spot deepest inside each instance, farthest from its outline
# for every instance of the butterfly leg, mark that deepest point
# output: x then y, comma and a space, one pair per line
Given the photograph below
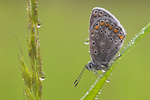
96, 74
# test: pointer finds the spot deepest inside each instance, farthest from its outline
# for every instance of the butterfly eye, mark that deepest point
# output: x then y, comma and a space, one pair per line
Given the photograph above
90, 66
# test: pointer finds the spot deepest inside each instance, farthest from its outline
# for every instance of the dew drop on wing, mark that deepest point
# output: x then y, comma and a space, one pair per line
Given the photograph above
86, 41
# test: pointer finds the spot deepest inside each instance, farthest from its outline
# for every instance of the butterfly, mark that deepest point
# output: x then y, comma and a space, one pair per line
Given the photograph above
106, 37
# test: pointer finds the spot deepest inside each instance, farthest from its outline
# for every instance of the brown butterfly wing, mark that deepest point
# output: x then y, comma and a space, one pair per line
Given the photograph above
106, 36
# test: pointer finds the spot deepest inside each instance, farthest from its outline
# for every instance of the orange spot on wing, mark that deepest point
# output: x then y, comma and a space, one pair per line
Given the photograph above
116, 30
106, 24
94, 15
110, 27
92, 32
101, 23
121, 37
96, 27
100, 15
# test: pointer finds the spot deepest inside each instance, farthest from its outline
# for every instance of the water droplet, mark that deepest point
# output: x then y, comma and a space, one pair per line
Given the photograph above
101, 75
36, 6
88, 50
143, 28
108, 80
119, 54
103, 71
42, 78
90, 88
27, 9
124, 47
112, 61
99, 92
89, 61
96, 97
136, 35
22, 79
39, 24
29, 2
86, 41
133, 42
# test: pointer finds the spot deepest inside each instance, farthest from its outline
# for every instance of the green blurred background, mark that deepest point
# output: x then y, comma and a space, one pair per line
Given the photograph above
64, 27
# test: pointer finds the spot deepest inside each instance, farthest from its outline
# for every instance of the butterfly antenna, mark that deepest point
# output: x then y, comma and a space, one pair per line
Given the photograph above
79, 77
